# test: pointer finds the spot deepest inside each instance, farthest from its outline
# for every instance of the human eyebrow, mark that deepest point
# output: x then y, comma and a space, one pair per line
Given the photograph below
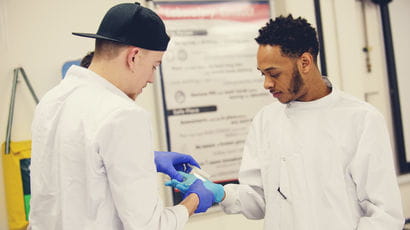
267, 69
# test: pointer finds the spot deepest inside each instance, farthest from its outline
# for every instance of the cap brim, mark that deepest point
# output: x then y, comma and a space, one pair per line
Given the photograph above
88, 35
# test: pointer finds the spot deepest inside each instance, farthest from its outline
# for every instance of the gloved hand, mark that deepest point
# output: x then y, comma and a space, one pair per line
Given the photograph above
171, 162
188, 180
217, 189
205, 196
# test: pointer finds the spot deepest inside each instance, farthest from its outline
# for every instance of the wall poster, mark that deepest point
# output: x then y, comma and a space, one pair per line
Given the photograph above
211, 88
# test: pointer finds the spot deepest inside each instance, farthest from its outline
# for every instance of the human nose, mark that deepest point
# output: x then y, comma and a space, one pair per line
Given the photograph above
268, 83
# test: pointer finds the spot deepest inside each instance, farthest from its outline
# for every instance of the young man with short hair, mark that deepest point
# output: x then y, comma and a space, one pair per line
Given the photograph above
318, 159
93, 166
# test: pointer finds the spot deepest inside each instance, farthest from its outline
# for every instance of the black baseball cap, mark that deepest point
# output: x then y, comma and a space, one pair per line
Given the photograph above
132, 24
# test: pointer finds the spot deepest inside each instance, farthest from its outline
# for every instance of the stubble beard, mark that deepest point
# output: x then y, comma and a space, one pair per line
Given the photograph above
295, 85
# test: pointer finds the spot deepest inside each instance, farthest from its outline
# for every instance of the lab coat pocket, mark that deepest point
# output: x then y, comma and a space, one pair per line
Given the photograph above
293, 177
294, 193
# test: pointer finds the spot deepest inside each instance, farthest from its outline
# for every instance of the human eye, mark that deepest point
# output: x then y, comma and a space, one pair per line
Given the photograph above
276, 75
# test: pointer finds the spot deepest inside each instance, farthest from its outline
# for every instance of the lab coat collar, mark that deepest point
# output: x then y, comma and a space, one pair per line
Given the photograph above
88, 76
316, 104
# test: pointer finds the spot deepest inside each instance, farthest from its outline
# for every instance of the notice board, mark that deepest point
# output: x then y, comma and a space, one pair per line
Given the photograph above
210, 87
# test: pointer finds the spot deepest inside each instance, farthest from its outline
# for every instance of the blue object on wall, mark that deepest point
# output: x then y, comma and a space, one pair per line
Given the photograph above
67, 65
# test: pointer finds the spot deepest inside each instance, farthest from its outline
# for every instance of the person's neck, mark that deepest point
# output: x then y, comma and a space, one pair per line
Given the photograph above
110, 71
316, 88
107, 71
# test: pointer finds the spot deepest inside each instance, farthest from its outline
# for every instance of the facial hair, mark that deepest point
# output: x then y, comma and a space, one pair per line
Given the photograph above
295, 84
297, 81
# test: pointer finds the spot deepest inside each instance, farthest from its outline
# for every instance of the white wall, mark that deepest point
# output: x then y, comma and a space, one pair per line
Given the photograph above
37, 36
401, 33
399, 12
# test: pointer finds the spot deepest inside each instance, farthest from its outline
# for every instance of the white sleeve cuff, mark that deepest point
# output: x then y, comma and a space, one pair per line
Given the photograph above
182, 214
231, 202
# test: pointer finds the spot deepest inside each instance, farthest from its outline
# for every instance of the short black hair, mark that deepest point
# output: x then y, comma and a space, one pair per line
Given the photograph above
107, 49
293, 36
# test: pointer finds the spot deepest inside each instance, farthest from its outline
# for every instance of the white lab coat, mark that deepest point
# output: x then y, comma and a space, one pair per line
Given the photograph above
92, 161
331, 159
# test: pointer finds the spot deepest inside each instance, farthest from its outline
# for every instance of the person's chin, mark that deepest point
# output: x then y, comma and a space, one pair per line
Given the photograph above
133, 96
279, 97
284, 100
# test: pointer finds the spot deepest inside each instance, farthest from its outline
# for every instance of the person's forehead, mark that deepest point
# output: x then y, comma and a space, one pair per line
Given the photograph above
271, 56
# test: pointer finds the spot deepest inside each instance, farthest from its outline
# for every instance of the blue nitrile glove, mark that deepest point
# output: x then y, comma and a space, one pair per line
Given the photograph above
188, 180
206, 197
216, 189
171, 162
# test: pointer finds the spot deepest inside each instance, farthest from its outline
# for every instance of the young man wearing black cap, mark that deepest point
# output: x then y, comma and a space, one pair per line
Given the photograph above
92, 159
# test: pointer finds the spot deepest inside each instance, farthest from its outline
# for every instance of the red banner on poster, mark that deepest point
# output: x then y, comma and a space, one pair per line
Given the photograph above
235, 11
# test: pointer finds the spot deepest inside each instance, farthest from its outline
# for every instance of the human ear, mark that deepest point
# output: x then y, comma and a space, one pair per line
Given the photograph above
132, 55
305, 62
